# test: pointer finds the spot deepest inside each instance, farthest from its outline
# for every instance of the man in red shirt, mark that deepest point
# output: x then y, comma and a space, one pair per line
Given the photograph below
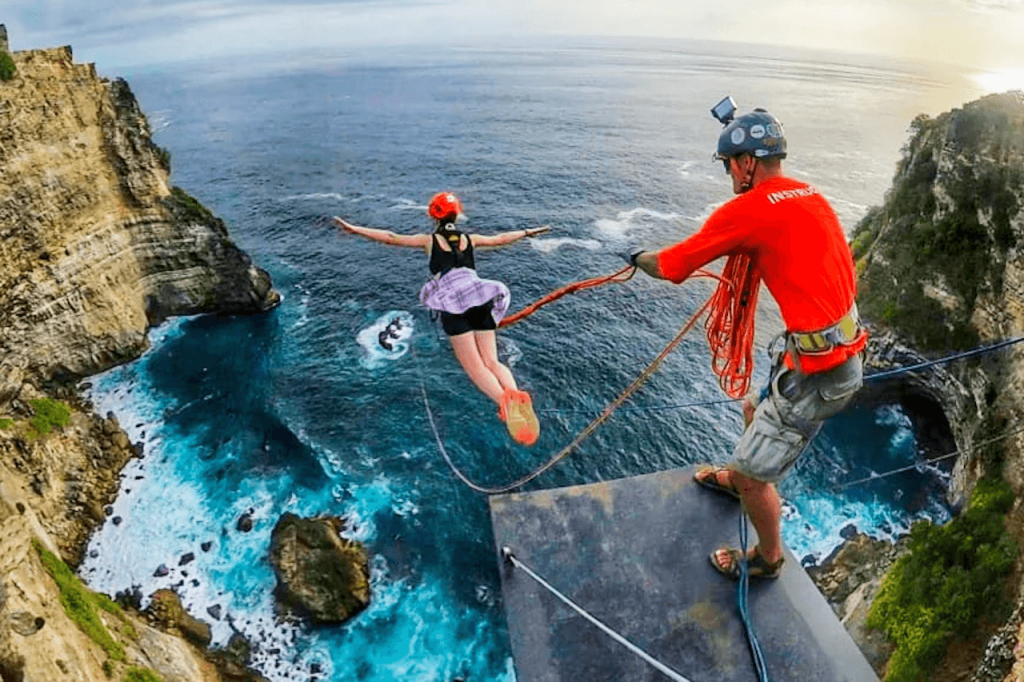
797, 247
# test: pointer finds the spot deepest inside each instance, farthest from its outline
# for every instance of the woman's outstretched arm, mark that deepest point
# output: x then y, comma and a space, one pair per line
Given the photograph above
490, 241
384, 236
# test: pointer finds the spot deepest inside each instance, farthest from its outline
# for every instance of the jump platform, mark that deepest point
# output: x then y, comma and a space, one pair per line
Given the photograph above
633, 553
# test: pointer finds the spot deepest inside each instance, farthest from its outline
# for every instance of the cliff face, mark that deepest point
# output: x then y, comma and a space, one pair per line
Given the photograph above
942, 265
941, 268
95, 245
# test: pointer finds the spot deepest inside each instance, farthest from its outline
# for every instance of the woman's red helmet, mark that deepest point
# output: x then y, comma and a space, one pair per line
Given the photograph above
444, 205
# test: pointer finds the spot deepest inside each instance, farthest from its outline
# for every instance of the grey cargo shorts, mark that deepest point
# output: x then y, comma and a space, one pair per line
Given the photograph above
789, 418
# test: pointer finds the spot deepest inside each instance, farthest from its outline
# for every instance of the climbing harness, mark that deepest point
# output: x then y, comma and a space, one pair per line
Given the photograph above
508, 556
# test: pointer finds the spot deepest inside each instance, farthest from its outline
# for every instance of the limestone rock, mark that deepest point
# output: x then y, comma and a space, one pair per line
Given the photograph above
319, 573
95, 244
166, 610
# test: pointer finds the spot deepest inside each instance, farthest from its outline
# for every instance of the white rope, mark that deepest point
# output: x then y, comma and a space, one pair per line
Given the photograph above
507, 553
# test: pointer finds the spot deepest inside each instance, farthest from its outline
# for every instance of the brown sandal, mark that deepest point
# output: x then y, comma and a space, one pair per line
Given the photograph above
757, 565
707, 477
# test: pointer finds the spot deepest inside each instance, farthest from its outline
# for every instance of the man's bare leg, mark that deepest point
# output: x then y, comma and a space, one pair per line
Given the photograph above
765, 510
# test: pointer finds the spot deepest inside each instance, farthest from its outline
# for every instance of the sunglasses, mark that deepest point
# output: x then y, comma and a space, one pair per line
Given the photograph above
725, 162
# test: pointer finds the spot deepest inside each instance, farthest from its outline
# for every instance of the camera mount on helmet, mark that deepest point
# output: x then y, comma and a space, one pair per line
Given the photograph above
725, 110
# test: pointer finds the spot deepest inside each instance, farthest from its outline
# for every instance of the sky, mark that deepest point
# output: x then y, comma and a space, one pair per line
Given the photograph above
985, 35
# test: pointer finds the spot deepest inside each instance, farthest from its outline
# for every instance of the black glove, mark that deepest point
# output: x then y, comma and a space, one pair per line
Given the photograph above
632, 255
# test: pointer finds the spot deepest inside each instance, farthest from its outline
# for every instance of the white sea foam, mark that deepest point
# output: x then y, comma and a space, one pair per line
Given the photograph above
550, 245
620, 227
509, 351
394, 329
316, 196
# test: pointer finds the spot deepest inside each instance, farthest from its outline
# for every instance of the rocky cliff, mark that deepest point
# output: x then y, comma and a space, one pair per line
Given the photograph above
941, 267
95, 247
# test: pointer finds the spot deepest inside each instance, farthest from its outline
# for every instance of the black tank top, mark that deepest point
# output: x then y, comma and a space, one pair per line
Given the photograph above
442, 261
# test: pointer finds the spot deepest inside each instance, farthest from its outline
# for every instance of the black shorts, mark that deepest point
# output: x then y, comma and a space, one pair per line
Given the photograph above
476, 319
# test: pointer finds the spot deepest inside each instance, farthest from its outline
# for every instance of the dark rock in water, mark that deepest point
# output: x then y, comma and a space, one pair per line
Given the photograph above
244, 523
206, 546
186, 559
108, 510
319, 573
116, 520
848, 532
161, 571
214, 611
809, 561
130, 598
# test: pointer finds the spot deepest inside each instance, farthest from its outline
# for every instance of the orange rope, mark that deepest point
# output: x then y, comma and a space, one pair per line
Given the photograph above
730, 325
614, 278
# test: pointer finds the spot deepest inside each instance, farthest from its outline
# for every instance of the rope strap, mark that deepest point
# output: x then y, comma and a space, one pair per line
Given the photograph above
672, 674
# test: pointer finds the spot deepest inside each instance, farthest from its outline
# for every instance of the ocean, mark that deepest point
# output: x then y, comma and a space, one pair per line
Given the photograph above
301, 410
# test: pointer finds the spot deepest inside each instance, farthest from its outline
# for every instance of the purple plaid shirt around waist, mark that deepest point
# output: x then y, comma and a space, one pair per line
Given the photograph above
460, 289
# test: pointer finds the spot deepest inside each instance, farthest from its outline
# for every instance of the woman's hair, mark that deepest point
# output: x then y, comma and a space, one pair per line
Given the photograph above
446, 223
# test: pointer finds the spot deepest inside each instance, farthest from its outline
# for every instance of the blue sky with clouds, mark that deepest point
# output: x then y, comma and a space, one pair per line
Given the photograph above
982, 34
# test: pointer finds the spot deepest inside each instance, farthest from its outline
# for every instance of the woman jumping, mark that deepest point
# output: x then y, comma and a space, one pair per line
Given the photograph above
470, 307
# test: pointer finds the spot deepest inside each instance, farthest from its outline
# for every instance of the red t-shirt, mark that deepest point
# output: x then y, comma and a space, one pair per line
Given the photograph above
798, 246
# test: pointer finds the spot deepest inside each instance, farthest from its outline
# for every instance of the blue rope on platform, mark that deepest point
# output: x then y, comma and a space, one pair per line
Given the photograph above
744, 587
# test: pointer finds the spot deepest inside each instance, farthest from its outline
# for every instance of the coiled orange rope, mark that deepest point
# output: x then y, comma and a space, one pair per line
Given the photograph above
730, 325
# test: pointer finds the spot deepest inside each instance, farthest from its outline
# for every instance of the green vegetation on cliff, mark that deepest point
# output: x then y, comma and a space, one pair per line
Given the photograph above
81, 606
953, 577
942, 237
48, 414
7, 67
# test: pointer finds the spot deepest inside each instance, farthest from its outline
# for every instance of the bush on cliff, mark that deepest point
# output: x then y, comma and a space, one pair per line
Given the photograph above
7, 67
48, 414
953, 577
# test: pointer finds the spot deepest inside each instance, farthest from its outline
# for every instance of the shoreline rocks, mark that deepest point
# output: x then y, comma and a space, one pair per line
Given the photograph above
320, 574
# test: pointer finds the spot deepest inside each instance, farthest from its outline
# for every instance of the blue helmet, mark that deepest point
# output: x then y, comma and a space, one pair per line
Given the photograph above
758, 133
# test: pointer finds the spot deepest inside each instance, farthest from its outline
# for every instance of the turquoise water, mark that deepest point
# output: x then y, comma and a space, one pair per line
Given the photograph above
301, 410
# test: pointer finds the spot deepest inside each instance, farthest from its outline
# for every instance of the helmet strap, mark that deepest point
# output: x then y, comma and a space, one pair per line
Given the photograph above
748, 177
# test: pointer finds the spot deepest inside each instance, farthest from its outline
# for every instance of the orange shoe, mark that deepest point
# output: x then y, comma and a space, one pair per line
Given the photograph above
516, 410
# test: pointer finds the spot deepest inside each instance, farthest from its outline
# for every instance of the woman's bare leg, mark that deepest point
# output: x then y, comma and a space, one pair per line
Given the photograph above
468, 354
487, 344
